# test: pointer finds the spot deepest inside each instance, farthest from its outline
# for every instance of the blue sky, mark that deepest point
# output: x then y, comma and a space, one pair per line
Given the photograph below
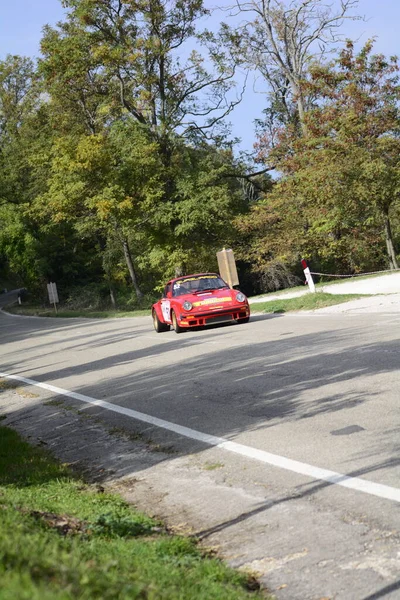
21, 23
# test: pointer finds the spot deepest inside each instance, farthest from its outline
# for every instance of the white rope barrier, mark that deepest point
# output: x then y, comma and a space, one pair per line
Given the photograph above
355, 274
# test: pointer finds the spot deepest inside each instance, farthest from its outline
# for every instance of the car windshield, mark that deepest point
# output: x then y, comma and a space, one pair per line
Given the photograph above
200, 283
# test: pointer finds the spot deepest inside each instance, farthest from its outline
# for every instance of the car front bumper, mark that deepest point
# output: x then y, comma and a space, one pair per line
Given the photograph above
214, 317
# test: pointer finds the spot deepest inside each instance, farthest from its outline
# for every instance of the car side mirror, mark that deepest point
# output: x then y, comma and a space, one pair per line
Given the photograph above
169, 295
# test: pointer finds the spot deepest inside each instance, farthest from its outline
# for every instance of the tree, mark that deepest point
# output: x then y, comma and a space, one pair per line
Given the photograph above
360, 118
17, 95
18, 99
101, 185
341, 180
23, 134
116, 61
127, 53
281, 40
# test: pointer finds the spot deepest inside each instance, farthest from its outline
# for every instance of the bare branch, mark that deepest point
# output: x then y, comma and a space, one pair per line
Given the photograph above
285, 39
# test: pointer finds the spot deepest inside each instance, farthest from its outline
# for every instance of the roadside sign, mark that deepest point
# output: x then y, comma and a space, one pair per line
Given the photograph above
227, 267
53, 294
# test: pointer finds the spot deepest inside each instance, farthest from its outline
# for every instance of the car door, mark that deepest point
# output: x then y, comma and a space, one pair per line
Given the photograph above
166, 303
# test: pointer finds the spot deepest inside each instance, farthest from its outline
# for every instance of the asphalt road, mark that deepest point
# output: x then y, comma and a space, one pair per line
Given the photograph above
322, 389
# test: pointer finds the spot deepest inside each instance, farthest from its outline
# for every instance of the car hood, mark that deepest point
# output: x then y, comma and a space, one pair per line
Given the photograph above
209, 297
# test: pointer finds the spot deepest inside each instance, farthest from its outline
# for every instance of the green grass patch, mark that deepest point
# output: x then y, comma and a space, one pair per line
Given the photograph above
306, 302
62, 539
35, 311
212, 466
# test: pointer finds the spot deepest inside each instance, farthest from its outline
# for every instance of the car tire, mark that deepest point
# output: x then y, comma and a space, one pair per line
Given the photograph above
175, 324
159, 327
245, 320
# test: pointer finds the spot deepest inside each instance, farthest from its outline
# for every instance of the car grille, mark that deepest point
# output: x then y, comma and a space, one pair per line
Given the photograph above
219, 319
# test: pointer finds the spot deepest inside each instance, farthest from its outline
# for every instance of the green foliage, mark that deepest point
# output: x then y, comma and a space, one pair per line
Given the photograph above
306, 302
340, 183
19, 245
108, 163
128, 163
117, 171
109, 59
17, 93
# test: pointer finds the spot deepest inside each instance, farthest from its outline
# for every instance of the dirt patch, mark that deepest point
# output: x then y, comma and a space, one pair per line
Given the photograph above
64, 524
7, 384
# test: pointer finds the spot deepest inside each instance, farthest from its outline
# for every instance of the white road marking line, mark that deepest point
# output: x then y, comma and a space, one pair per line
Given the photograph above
354, 483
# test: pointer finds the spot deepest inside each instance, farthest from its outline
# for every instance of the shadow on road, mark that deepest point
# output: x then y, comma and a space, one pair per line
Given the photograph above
384, 591
226, 388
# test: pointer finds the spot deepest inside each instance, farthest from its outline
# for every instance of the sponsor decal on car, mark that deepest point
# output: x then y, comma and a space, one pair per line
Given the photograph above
212, 301
196, 278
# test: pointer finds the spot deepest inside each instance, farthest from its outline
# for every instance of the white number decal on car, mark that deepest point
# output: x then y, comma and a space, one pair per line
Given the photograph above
166, 309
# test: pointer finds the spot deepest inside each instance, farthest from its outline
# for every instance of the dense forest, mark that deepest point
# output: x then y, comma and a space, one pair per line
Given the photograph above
118, 169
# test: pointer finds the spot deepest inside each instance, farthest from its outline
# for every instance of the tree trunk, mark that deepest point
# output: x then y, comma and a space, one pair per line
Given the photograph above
112, 297
129, 262
178, 271
301, 111
389, 243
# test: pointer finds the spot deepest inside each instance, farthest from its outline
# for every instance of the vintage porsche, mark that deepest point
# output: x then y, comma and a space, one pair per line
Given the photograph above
198, 300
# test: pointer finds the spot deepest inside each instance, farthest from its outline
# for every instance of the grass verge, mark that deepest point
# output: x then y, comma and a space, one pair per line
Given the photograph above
307, 302
35, 311
326, 281
62, 539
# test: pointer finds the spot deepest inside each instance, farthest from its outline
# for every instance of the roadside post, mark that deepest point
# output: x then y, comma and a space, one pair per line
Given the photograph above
53, 294
227, 267
308, 276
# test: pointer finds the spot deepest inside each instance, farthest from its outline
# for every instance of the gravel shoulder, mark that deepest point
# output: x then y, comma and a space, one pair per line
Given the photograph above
376, 304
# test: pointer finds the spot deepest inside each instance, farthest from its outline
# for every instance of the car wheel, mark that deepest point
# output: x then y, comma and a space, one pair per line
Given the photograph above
175, 324
158, 326
245, 320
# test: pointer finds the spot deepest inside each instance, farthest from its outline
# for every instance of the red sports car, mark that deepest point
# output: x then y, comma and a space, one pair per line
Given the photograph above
195, 300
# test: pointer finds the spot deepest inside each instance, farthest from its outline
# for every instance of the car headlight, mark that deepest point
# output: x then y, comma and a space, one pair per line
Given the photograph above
187, 305
240, 297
